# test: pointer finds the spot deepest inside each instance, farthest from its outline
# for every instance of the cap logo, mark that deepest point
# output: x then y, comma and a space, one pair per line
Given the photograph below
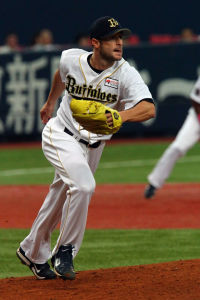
113, 22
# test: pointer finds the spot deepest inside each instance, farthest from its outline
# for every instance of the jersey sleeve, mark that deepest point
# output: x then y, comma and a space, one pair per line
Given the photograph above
133, 88
195, 93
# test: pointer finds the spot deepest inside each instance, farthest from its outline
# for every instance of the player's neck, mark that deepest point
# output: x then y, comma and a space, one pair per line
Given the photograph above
99, 63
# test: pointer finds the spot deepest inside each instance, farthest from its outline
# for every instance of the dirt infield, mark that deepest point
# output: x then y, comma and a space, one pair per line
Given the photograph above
112, 206
120, 206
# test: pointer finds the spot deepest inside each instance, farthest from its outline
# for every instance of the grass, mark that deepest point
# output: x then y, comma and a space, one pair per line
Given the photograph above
110, 248
130, 163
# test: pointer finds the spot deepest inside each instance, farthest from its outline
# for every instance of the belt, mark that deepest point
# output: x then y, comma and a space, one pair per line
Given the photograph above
95, 145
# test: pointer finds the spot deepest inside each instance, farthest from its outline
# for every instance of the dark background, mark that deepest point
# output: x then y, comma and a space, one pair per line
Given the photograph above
67, 18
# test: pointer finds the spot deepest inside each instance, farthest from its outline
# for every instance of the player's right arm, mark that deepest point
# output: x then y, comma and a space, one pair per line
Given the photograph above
56, 91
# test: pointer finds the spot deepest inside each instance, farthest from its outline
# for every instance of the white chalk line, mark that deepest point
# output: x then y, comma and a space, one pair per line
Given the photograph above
105, 165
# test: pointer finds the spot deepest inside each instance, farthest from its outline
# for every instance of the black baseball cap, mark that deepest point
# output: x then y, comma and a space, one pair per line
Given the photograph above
107, 26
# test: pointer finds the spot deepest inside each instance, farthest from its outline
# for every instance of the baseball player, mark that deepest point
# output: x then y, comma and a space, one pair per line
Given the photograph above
101, 75
187, 136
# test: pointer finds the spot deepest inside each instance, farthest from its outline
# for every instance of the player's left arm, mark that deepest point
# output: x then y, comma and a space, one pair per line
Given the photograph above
142, 111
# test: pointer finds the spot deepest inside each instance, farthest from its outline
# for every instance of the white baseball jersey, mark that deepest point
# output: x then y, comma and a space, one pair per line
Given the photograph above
120, 87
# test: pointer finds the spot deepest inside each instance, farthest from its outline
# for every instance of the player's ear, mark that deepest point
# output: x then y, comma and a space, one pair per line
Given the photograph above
95, 43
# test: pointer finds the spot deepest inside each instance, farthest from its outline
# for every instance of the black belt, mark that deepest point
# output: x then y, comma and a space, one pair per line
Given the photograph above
95, 145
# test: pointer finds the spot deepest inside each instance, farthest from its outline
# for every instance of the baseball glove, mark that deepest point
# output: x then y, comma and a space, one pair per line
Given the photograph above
92, 116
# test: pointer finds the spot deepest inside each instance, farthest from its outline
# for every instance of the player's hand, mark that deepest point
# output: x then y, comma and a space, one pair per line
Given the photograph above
109, 119
46, 112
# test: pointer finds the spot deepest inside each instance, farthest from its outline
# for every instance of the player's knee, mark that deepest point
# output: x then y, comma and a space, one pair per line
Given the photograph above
179, 149
87, 187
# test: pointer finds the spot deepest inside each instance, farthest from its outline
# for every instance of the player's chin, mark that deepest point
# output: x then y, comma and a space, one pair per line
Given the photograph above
117, 55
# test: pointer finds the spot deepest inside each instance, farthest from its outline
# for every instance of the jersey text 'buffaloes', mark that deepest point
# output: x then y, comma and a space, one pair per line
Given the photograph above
87, 92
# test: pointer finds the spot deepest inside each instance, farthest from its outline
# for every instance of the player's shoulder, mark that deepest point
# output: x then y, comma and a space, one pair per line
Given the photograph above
128, 69
72, 52
127, 65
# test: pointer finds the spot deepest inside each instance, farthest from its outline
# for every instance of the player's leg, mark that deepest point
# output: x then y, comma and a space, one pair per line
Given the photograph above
79, 195
75, 211
47, 219
187, 136
35, 249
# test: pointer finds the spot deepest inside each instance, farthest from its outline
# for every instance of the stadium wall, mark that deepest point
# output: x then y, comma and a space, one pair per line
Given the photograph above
169, 70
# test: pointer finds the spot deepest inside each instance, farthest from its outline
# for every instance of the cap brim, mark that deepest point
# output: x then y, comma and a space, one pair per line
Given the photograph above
124, 31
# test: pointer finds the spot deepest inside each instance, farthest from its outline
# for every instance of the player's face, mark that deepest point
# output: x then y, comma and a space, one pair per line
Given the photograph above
111, 49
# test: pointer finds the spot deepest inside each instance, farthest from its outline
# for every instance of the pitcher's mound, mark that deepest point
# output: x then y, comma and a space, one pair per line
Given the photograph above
178, 280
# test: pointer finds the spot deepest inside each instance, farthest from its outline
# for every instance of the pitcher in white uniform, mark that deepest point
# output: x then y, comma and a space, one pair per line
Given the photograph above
186, 138
101, 75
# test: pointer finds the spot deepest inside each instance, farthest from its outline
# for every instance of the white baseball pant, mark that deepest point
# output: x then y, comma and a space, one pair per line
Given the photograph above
69, 194
186, 138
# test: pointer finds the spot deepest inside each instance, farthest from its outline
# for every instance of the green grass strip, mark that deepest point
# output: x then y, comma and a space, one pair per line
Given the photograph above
125, 163
110, 248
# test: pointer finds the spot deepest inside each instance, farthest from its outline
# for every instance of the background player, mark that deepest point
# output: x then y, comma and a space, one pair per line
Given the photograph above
75, 152
187, 136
